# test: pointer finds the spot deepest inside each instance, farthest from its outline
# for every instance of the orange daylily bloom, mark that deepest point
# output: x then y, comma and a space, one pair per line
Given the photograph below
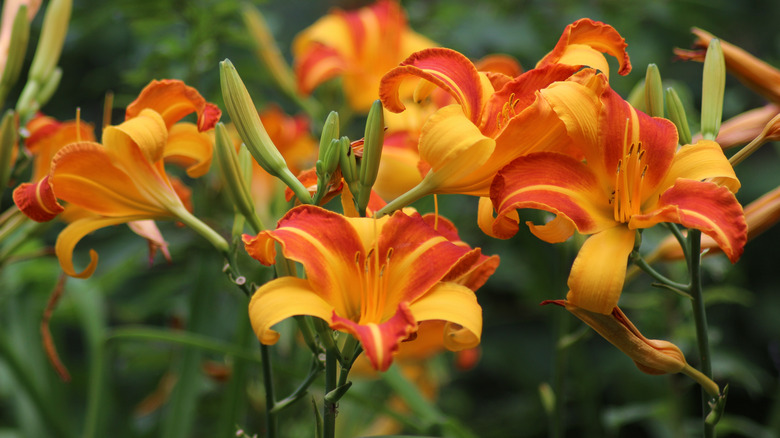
463, 145
633, 177
123, 179
48, 135
373, 278
360, 46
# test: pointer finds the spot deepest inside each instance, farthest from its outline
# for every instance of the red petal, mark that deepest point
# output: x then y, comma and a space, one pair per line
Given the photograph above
37, 200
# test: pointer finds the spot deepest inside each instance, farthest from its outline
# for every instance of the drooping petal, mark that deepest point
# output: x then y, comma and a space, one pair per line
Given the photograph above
173, 100
597, 275
703, 206
74, 232
556, 183
280, 299
446, 68
189, 148
457, 305
584, 41
149, 231
503, 228
380, 340
37, 200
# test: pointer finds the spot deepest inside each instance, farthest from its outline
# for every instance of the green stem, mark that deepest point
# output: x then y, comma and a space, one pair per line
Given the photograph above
329, 408
420, 190
270, 402
204, 230
639, 261
700, 320
300, 392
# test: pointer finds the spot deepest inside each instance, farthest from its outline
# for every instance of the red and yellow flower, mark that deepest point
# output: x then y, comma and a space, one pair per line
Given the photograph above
373, 278
360, 46
495, 118
632, 177
123, 179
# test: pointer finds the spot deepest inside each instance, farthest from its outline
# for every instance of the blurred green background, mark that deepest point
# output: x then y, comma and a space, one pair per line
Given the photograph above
121, 45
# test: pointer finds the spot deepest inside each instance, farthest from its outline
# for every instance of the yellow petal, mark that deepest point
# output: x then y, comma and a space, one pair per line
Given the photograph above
280, 299
597, 275
456, 304
189, 148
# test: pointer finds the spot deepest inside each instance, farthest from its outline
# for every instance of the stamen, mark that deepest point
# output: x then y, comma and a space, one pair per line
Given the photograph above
78, 124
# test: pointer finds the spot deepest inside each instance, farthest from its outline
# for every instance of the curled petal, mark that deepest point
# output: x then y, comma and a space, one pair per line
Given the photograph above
37, 200
584, 41
189, 148
700, 161
703, 206
597, 275
318, 64
503, 228
380, 340
173, 99
261, 247
280, 299
457, 305
498, 63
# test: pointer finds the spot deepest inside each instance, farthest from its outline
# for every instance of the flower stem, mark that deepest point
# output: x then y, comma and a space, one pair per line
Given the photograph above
204, 230
407, 198
268, 383
700, 320
329, 409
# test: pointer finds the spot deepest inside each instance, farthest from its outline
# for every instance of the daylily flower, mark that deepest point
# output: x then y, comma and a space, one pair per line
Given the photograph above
360, 46
373, 278
651, 356
123, 179
497, 119
633, 177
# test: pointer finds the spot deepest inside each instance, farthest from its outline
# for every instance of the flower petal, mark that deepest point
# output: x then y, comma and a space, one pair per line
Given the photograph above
503, 228
556, 183
173, 100
700, 161
597, 275
456, 304
189, 148
318, 64
584, 41
446, 68
703, 206
380, 341
280, 299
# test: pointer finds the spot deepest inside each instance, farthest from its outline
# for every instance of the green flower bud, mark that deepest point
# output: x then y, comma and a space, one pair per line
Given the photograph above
713, 86
268, 50
8, 139
55, 27
244, 115
20, 34
49, 87
330, 131
654, 93
372, 153
234, 178
677, 115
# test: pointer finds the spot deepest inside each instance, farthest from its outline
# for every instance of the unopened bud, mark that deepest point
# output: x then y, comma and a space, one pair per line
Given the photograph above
676, 111
348, 162
48, 88
330, 131
55, 27
654, 93
20, 34
233, 177
713, 87
8, 141
268, 50
372, 153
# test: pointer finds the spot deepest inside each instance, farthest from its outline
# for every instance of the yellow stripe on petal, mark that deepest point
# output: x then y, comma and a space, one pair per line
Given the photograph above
597, 275
280, 299
189, 148
457, 305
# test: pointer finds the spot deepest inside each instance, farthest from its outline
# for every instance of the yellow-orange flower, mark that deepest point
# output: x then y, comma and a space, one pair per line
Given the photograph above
373, 278
123, 179
633, 176
360, 46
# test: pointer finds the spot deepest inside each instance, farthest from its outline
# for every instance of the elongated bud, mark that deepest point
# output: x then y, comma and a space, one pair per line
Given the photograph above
713, 86
326, 167
348, 163
55, 27
48, 88
233, 177
654, 92
676, 112
268, 50
20, 34
330, 131
244, 115
8, 140
372, 153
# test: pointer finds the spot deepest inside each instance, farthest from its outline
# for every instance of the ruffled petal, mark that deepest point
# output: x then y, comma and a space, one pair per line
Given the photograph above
280, 299
457, 305
699, 161
503, 228
703, 206
74, 232
446, 68
584, 41
597, 275
173, 100
190, 149
555, 183
380, 340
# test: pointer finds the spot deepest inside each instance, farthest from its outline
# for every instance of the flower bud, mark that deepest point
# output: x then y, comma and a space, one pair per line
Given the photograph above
244, 115
268, 50
676, 111
348, 163
233, 177
8, 140
48, 88
55, 27
372, 152
654, 93
330, 131
713, 86
20, 34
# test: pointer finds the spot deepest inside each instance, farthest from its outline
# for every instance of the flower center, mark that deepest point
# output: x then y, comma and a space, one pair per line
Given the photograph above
626, 200
508, 111
373, 285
